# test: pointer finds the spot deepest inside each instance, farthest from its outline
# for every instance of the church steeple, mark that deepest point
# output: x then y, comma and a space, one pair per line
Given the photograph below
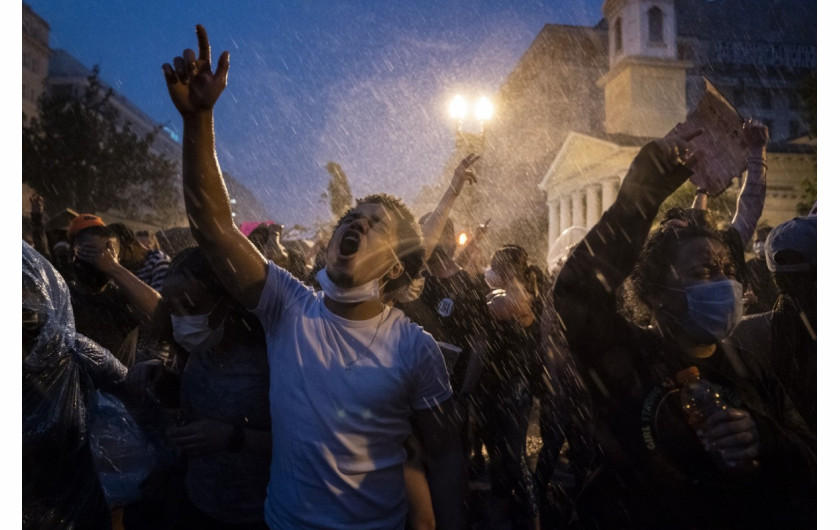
644, 90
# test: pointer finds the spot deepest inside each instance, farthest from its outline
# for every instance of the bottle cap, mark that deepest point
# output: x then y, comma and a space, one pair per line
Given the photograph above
683, 376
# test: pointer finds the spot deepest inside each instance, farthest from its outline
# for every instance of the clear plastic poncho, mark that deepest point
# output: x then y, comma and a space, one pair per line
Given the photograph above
61, 371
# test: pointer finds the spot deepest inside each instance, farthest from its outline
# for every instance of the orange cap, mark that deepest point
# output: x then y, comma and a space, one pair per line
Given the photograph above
82, 221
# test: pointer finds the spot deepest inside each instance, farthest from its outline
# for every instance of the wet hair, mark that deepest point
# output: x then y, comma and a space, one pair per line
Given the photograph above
761, 233
660, 250
125, 234
153, 242
192, 262
514, 259
410, 248
261, 238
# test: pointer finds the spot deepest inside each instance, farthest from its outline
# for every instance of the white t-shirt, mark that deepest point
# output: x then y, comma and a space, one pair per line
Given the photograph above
340, 404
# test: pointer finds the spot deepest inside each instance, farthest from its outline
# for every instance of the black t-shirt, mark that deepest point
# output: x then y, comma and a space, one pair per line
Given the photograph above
513, 355
452, 310
652, 447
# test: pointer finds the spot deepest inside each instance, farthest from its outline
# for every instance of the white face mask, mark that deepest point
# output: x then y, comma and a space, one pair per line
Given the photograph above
412, 292
358, 293
193, 332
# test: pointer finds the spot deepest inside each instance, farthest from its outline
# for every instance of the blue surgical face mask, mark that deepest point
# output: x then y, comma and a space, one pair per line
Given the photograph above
714, 309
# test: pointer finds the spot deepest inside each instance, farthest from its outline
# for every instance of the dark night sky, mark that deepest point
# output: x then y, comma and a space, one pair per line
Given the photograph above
366, 85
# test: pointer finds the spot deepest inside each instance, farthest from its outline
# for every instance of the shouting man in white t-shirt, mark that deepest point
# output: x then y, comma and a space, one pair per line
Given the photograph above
347, 371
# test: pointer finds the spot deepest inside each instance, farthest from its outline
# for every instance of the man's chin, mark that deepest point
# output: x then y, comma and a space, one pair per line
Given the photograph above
340, 277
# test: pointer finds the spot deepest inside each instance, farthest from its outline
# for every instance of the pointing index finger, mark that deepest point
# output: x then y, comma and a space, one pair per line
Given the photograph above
203, 44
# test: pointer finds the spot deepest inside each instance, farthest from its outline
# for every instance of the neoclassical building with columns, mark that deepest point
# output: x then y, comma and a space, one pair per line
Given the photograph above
582, 100
645, 94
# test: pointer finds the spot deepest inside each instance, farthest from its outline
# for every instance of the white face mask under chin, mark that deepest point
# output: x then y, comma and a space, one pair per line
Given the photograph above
193, 332
350, 295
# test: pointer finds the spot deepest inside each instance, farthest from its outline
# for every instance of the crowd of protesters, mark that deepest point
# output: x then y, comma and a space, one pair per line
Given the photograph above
376, 383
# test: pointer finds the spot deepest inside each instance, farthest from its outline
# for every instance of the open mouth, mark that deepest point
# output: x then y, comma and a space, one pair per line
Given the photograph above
349, 244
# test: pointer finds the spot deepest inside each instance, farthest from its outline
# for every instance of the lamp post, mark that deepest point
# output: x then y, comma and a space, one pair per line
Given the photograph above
482, 112
470, 142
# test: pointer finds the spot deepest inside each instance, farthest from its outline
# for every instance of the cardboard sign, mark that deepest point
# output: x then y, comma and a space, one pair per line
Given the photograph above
722, 141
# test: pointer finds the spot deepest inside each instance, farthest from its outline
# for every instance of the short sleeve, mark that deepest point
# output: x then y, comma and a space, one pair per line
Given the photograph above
281, 289
431, 386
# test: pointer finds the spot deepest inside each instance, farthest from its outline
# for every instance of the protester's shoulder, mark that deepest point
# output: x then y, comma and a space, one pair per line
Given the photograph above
282, 291
411, 332
753, 332
279, 277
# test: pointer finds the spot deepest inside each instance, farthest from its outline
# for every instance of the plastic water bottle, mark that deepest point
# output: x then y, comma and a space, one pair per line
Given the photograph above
699, 400
697, 397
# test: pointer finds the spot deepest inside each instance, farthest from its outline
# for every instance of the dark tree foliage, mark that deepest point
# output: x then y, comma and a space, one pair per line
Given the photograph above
338, 190
78, 153
809, 190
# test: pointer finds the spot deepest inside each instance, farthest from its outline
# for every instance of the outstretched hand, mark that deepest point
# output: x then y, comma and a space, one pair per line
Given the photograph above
756, 134
192, 84
675, 151
662, 166
464, 173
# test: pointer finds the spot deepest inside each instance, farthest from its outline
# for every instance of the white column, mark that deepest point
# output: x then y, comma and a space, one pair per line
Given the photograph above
609, 192
578, 212
565, 213
553, 222
593, 205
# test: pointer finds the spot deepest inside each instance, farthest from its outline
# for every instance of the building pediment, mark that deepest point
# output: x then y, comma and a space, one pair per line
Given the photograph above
584, 160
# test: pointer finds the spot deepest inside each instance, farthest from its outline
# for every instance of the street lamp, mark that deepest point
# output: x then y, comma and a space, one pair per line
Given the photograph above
482, 110
458, 110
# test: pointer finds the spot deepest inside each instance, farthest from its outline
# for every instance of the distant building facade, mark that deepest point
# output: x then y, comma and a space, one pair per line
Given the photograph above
36, 59
68, 76
582, 100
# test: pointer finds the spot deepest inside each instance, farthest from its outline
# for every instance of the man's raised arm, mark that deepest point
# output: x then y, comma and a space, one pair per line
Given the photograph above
194, 89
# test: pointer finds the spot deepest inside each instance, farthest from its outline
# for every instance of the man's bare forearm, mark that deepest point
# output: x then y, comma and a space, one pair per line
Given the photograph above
205, 196
239, 265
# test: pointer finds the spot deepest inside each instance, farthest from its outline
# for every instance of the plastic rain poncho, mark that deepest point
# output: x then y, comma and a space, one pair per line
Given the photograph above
61, 371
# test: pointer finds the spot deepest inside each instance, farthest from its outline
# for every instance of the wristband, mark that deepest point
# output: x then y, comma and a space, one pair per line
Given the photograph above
237, 439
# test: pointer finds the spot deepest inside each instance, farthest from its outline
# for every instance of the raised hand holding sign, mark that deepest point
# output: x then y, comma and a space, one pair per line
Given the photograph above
723, 142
